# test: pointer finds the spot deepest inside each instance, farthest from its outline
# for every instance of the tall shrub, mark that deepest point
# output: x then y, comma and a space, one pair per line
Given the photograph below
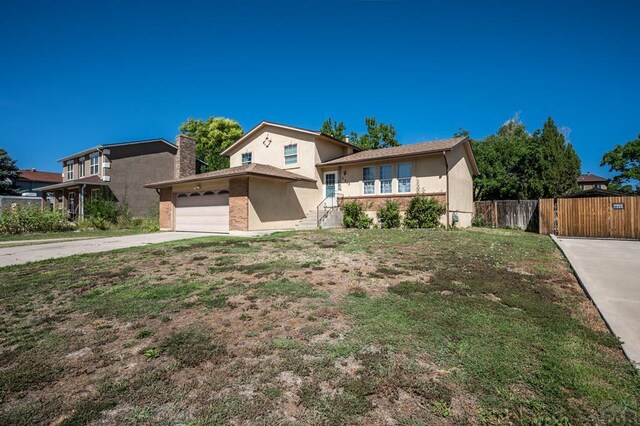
389, 215
31, 219
354, 215
423, 212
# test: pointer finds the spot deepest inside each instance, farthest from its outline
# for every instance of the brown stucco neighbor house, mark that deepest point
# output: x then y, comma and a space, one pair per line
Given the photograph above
121, 168
282, 176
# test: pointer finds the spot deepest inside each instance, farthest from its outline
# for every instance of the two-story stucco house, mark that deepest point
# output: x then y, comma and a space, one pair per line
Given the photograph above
122, 169
280, 176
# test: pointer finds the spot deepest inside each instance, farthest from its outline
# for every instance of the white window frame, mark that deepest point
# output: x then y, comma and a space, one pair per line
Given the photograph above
289, 156
383, 181
95, 171
250, 154
80, 168
370, 181
70, 170
406, 178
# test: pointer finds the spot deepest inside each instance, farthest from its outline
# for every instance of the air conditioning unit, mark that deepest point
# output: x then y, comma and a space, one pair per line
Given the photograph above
106, 178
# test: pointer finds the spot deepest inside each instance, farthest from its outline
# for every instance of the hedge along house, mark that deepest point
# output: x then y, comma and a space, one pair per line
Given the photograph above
284, 177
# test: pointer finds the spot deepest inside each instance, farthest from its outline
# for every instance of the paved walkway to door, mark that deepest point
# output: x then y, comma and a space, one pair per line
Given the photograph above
610, 272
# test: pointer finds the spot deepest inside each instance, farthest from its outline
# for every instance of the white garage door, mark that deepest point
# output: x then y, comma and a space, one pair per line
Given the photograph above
203, 211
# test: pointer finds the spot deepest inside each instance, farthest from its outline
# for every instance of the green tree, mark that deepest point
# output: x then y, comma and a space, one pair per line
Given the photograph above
502, 160
624, 160
514, 164
379, 135
558, 163
334, 128
212, 137
8, 173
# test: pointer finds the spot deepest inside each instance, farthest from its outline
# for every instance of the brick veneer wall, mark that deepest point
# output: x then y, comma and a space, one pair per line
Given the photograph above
166, 210
239, 204
374, 202
185, 161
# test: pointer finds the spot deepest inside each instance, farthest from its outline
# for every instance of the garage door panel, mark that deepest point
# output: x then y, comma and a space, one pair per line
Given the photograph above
208, 213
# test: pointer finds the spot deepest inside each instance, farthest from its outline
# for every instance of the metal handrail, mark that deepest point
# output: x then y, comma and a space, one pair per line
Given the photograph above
338, 198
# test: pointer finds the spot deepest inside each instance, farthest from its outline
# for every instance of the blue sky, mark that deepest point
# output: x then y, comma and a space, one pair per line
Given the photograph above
77, 74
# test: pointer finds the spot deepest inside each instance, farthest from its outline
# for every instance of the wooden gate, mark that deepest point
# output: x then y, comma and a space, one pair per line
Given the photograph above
594, 217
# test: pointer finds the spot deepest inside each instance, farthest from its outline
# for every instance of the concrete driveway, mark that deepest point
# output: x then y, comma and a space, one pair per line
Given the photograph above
610, 272
35, 252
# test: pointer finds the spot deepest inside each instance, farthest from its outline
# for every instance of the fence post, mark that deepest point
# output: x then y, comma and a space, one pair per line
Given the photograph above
494, 219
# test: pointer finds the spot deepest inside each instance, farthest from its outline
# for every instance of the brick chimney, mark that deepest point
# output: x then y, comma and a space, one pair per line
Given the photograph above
185, 161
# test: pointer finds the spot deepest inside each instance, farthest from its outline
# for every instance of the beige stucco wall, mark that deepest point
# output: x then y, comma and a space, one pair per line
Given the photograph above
280, 205
460, 186
429, 176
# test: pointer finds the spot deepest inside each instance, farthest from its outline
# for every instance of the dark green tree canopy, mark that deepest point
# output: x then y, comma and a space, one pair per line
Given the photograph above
378, 135
334, 128
515, 164
624, 160
212, 137
8, 173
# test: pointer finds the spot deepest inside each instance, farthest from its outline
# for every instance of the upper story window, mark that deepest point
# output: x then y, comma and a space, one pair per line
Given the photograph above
404, 177
95, 164
291, 154
81, 168
386, 175
246, 158
369, 179
70, 170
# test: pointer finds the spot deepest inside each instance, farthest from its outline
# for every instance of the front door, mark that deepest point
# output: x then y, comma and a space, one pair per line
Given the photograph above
330, 188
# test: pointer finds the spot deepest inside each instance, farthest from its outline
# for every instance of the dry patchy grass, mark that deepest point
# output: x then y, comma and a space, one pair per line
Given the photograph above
327, 327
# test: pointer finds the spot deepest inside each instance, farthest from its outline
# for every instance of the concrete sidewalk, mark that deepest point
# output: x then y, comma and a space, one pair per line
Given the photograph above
33, 252
609, 270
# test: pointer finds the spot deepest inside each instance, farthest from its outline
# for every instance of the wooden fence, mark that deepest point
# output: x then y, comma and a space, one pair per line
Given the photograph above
602, 217
521, 214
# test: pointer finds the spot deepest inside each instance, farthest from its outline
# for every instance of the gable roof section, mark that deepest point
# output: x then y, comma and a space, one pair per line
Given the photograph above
264, 124
591, 178
38, 176
421, 148
253, 169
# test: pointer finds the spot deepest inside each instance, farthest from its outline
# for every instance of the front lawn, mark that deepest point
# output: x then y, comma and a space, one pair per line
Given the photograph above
322, 327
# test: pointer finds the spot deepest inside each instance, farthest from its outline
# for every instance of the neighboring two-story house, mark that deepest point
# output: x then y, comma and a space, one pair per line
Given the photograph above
279, 176
122, 169
590, 181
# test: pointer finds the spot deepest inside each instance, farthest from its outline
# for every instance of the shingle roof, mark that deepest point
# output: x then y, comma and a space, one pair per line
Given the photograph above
92, 180
398, 151
588, 178
38, 176
254, 169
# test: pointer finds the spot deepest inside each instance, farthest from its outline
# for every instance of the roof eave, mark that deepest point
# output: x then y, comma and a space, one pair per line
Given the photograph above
200, 178
386, 157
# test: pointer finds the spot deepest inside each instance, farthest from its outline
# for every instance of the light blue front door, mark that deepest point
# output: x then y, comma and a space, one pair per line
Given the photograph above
330, 187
